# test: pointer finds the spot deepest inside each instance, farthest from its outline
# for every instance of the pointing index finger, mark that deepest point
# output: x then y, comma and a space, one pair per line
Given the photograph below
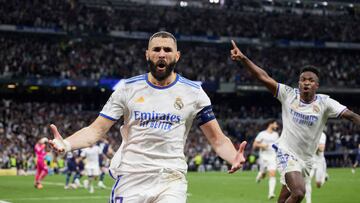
233, 44
55, 132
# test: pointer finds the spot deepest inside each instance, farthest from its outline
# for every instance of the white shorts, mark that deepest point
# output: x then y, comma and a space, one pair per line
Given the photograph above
319, 170
267, 163
92, 170
287, 162
156, 187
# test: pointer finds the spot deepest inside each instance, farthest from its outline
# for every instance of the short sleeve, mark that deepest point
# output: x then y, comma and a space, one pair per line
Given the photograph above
334, 108
283, 92
203, 109
83, 152
203, 101
114, 107
322, 139
259, 137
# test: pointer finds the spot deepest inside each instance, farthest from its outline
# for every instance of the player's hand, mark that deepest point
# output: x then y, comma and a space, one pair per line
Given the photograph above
58, 144
239, 159
236, 54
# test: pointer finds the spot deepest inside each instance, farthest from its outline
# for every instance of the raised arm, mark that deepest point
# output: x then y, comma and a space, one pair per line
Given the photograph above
223, 146
85, 137
351, 116
256, 71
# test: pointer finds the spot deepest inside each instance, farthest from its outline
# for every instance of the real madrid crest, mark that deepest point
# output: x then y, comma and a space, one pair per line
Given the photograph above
178, 103
316, 108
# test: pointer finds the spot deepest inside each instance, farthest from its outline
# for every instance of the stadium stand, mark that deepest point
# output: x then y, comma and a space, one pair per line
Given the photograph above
76, 40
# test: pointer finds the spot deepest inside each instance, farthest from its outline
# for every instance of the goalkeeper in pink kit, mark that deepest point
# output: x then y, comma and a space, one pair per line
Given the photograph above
41, 168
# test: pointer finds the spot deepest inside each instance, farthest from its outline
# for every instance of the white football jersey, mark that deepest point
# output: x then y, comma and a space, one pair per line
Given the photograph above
157, 121
91, 155
303, 122
267, 138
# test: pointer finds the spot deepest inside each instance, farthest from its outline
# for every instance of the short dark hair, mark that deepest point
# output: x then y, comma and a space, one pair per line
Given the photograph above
270, 121
163, 34
310, 68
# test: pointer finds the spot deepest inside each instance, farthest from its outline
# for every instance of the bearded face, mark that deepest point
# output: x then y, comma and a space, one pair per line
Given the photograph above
162, 56
161, 69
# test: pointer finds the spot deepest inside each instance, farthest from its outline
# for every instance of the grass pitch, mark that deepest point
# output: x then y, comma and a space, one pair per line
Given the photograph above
342, 187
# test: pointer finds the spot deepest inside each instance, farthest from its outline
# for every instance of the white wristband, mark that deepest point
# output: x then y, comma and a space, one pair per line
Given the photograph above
67, 146
62, 144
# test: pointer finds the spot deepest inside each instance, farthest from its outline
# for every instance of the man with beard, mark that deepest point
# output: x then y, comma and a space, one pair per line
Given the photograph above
304, 115
158, 109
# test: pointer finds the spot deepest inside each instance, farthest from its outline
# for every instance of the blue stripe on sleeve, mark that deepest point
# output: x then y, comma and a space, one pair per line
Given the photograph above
277, 90
108, 117
341, 112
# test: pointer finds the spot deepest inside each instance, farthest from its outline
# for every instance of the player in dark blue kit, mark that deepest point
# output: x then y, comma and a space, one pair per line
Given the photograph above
107, 154
75, 167
71, 169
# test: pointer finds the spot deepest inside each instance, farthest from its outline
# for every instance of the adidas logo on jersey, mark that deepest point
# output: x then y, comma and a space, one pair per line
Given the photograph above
140, 100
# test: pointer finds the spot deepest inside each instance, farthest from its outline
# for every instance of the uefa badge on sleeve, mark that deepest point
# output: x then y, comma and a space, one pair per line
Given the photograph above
178, 103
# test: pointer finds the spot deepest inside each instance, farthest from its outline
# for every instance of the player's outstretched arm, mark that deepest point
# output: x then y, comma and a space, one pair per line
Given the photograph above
85, 137
223, 146
256, 71
351, 116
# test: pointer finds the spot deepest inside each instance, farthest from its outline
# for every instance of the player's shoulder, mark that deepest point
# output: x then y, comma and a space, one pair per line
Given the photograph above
196, 85
262, 133
287, 89
135, 79
322, 97
129, 83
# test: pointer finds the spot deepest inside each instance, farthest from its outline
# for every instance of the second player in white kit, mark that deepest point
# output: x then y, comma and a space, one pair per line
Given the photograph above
303, 124
92, 165
319, 168
267, 156
304, 115
91, 155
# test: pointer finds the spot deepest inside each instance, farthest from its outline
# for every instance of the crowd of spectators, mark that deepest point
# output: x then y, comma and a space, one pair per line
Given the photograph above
76, 17
22, 124
27, 56
22, 57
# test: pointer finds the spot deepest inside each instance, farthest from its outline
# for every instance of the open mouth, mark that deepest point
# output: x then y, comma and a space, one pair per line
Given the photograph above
161, 65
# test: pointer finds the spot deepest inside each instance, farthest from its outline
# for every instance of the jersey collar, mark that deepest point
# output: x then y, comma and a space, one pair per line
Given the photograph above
161, 87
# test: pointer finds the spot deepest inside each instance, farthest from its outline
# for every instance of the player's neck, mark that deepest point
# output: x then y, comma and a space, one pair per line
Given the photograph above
167, 81
307, 98
269, 130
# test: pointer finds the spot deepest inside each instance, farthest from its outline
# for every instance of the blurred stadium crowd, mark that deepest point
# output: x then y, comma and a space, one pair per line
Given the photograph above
40, 58
23, 124
74, 57
231, 21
